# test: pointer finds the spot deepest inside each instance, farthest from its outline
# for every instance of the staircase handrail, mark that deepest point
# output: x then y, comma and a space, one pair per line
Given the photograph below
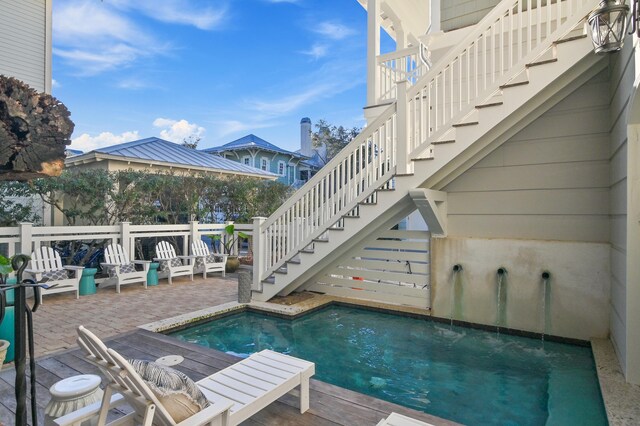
330, 166
514, 9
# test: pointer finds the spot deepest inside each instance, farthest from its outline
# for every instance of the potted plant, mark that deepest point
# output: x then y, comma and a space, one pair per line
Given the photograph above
6, 329
227, 242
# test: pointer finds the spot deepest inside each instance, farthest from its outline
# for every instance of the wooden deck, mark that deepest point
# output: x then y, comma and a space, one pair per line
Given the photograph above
330, 405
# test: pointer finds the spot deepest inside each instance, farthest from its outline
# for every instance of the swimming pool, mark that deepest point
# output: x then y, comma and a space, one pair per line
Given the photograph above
469, 376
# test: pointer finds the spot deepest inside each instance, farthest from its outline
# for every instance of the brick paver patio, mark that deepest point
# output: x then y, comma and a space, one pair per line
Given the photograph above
109, 314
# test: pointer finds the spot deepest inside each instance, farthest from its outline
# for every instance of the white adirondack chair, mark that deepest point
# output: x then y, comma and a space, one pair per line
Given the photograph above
235, 393
207, 260
46, 266
171, 263
123, 270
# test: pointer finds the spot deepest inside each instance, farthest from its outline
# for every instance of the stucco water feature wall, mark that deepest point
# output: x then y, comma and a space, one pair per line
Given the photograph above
579, 305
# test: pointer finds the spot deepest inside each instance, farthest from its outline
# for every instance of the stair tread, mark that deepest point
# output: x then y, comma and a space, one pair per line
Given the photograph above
470, 123
294, 261
335, 229
443, 142
422, 159
519, 83
489, 104
351, 217
546, 61
320, 240
568, 39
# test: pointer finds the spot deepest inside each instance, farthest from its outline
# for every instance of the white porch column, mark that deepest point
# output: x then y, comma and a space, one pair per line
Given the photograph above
258, 251
26, 238
373, 51
194, 233
126, 241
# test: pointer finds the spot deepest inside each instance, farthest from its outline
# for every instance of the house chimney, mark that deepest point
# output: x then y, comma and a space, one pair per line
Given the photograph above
306, 147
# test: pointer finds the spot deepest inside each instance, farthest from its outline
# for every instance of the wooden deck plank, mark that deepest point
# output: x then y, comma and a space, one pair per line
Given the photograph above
330, 405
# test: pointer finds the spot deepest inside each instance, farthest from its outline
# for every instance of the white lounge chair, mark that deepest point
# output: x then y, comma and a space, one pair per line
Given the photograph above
171, 263
209, 262
235, 393
396, 419
46, 267
121, 269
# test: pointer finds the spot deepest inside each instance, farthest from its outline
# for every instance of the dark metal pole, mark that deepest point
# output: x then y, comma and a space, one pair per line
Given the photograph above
20, 343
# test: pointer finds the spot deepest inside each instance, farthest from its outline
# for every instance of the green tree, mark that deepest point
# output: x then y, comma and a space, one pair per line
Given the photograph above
329, 140
13, 208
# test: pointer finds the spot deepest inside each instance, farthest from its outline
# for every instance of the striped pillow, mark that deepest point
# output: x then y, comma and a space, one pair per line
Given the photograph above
179, 395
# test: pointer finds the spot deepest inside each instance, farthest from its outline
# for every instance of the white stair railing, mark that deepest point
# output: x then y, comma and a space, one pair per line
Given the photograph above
361, 167
406, 64
513, 34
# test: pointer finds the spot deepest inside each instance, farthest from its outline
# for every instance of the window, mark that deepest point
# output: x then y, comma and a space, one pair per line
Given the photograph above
281, 168
246, 161
264, 164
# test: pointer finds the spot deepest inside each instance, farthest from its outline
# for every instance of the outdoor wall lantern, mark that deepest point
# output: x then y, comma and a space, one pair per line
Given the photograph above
608, 24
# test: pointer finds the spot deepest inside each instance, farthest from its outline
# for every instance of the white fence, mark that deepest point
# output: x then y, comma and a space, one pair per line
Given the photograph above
392, 266
25, 238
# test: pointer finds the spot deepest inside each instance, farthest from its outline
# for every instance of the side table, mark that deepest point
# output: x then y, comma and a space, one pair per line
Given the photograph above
70, 395
152, 275
88, 282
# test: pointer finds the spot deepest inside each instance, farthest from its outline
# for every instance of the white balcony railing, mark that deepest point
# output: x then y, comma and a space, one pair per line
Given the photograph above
406, 64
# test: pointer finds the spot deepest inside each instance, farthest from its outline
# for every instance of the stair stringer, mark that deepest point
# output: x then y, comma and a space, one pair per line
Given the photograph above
392, 207
522, 104
497, 130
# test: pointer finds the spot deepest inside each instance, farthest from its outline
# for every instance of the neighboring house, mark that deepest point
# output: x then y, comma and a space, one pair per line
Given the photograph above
519, 149
155, 154
158, 155
292, 168
25, 31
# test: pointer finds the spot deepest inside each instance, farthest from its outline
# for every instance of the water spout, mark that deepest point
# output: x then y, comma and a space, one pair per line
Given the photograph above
501, 314
546, 302
456, 294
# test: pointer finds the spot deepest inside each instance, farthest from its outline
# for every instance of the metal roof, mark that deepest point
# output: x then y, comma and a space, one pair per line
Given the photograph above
160, 150
251, 142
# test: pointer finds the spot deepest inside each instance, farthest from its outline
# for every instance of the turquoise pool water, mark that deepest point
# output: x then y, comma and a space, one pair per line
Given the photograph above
469, 376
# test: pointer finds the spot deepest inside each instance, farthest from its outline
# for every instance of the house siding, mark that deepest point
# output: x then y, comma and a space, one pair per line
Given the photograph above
455, 14
621, 90
548, 182
24, 51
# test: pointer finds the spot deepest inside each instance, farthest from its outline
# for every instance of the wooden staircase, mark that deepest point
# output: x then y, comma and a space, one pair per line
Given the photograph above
365, 190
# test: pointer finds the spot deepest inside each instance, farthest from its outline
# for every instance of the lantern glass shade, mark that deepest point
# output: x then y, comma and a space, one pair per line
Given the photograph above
608, 24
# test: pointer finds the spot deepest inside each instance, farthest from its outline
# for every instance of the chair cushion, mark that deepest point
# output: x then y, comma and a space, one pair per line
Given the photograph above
60, 274
179, 395
164, 265
124, 269
127, 269
211, 258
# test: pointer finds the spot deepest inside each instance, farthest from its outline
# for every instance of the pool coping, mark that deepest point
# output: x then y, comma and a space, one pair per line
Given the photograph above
621, 400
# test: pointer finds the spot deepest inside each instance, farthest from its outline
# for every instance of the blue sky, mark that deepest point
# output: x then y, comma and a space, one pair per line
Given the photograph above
130, 69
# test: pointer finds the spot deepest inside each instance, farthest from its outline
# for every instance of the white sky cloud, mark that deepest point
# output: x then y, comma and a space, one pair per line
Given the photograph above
95, 37
177, 130
281, 106
333, 30
228, 127
317, 51
85, 142
177, 12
